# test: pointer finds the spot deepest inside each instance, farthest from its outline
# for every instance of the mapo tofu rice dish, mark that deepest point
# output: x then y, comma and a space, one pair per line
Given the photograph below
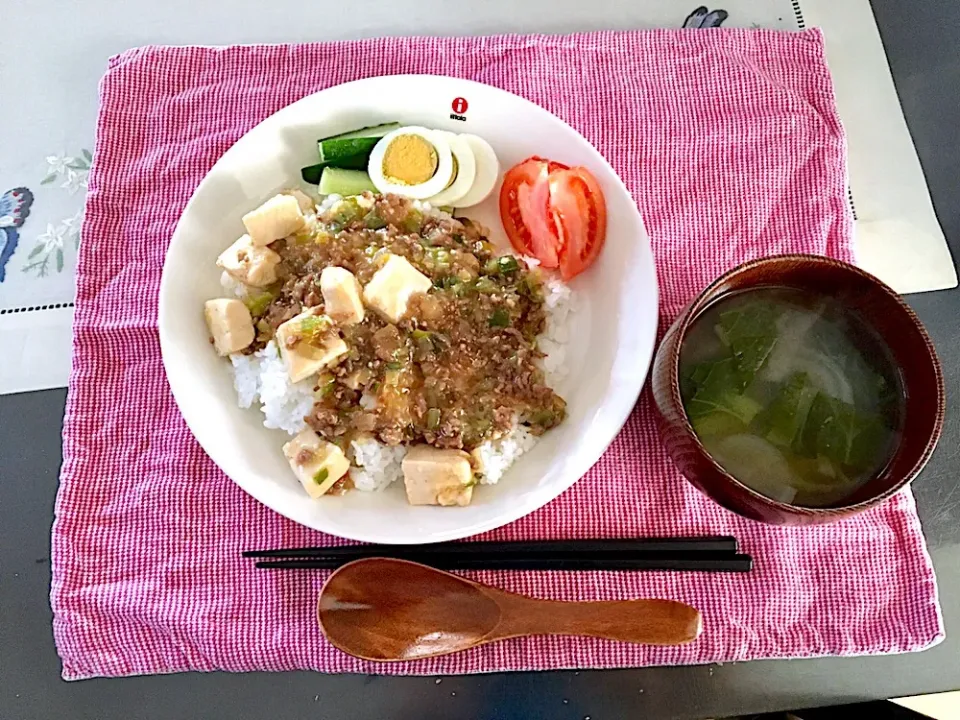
391, 340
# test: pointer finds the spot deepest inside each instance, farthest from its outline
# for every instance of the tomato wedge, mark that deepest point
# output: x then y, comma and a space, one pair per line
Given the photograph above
580, 213
525, 210
554, 213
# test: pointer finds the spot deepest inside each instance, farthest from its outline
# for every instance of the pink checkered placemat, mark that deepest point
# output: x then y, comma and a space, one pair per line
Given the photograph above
730, 142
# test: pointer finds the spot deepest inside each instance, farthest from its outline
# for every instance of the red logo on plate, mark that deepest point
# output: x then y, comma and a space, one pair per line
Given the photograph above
459, 105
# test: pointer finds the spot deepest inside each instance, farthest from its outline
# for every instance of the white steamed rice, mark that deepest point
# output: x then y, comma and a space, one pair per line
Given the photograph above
378, 465
263, 377
496, 456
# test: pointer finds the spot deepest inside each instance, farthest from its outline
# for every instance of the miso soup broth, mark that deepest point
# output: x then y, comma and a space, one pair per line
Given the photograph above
793, 394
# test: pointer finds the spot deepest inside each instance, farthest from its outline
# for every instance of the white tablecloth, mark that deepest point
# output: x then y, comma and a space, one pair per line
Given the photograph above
53, 53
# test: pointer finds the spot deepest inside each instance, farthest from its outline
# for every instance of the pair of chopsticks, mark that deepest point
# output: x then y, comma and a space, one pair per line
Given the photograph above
704, 554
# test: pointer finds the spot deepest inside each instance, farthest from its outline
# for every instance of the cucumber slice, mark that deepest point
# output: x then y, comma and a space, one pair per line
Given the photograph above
338, 149
344, 182
312, 173
374, 131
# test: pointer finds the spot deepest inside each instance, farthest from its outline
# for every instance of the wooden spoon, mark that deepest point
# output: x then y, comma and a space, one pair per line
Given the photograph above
384, 609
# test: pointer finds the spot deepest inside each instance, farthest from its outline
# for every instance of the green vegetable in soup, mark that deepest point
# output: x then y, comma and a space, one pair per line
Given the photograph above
716, 392
750, 332
837, 431
794, 394
784, 418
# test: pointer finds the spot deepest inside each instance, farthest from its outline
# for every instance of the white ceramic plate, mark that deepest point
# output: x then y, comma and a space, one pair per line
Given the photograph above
612, 333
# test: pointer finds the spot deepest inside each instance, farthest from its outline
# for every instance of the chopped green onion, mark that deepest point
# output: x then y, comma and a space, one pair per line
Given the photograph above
346, 212
438, 255
486, 286
325, 385
314, 327
373, 221
505, 265
413, 222
258, 303
321, 476
529, 287
433, 419
394, 366
500, 318
445, 283
508, 264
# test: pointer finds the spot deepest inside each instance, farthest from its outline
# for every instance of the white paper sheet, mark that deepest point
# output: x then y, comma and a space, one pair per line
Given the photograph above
898, 237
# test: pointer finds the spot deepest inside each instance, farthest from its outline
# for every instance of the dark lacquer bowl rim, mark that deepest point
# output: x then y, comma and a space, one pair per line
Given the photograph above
709, 295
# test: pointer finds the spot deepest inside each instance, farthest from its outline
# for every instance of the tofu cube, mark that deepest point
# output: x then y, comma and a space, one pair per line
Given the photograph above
437, 477
341, 295
307, 346
317, 463
230, 325
250, 264
390, 289
306, 203
276, 218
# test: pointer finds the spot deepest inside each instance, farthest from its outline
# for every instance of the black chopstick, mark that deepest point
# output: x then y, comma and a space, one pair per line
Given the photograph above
695, 562
524, 548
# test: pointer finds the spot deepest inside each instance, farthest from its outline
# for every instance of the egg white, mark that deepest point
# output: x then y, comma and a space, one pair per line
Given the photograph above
466, 171
487, 174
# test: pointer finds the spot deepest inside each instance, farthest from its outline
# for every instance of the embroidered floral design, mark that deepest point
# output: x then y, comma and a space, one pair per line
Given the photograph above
48, 253
51, 244
72, 170
14, 208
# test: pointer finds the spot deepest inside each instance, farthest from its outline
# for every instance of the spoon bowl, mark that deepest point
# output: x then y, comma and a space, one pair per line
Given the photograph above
390, 610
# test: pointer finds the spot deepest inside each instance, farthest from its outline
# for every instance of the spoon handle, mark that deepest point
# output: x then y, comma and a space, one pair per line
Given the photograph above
649, 622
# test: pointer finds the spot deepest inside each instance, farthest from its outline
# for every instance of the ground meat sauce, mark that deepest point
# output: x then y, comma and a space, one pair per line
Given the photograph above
458, 369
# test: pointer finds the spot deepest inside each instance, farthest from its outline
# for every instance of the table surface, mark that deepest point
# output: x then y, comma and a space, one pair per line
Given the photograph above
921, 48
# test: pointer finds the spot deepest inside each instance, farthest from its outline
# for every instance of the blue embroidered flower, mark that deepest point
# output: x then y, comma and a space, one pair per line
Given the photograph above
14, 209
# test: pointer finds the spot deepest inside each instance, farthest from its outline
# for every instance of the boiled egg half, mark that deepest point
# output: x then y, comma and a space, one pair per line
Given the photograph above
444, 168
411, 161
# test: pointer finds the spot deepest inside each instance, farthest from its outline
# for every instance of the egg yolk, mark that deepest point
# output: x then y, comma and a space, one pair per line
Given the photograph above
409, 160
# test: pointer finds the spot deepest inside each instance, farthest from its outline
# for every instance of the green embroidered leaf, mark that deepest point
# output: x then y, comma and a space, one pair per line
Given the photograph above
87, 154
78, 164
49, 179
59, 260
36, 251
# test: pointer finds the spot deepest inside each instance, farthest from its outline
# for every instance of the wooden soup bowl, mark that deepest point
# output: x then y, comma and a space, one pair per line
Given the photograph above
896, 324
